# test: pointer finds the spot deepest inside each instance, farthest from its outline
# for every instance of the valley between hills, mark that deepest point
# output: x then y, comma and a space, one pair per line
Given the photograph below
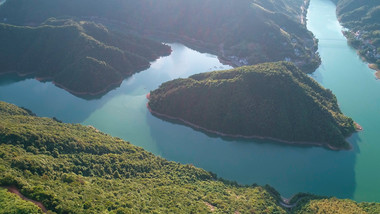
89, 48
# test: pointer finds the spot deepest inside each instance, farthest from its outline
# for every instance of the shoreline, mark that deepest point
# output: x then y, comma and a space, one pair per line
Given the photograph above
372, 66
201, 46
50, 79
105, 90
109, 86
376, 68
358, 127
19, 74
304, 7
192, 125
101, 92
17, 192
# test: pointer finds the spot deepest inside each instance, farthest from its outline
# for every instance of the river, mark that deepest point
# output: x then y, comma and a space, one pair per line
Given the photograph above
290, 169
357, 91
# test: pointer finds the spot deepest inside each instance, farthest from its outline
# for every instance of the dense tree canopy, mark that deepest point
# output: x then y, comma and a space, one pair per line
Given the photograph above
362, 20
274, 100
82, 57
244, 31
76, 169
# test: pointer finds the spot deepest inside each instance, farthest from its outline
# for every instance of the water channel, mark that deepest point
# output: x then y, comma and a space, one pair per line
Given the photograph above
290, 169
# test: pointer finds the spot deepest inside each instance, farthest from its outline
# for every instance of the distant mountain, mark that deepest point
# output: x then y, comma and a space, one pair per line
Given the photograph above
362, 18
239, 32
82, 57
72, 168
271, 100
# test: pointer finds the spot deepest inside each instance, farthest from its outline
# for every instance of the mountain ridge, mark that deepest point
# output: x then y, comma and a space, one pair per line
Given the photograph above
247, 32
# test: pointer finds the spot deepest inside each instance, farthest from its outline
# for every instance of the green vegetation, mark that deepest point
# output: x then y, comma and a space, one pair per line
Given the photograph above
11, 203
243, 32
362, 20
77, 169
323, 205
82, 57
274, 100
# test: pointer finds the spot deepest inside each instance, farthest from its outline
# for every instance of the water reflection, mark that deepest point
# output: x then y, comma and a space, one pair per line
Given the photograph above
290, 169
122, 112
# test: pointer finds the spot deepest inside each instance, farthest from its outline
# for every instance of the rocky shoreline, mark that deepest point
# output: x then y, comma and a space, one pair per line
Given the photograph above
376, 68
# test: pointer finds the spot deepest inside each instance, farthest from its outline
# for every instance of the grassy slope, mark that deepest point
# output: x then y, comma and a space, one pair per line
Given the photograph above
257, 30
271, 100
72, 53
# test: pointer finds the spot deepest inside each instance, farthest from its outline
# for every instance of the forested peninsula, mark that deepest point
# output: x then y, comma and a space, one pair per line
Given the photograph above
84, 58
270, 100
239, 32
71, 168
361, 20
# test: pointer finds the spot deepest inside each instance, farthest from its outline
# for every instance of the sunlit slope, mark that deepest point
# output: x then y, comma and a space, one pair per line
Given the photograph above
77, 169
11, 203
273, 100
84, 58
244, 31
319, 205
362, 18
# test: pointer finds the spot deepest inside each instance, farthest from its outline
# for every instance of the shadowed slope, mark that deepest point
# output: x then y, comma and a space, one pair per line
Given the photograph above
271, 100
83, 58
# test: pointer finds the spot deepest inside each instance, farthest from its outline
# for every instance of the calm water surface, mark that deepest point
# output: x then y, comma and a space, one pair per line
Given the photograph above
122, 112
358, 95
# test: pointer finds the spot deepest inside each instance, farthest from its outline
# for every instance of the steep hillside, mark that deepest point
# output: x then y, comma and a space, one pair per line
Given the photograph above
76, 169
272, 100
11, 203
82, 57
239, 32
308, 204
361, 18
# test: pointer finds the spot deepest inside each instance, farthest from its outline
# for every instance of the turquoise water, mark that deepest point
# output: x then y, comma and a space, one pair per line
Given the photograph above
123, 113
358, 95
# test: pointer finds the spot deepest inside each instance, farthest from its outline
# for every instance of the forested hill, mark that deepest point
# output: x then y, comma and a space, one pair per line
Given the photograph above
362, 20
77, 169
82, 57
240, 32
272, 100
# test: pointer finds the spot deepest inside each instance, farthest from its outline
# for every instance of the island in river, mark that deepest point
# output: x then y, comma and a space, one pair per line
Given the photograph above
270, 100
